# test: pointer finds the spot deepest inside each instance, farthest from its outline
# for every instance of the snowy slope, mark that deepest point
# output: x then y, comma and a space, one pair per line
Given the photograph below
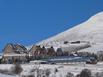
97, 48
2, 75
91, 30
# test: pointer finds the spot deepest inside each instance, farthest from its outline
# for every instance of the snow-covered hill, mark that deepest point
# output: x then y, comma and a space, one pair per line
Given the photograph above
91, 30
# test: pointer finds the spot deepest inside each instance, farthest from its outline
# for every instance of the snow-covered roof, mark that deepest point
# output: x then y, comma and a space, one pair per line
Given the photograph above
93, 48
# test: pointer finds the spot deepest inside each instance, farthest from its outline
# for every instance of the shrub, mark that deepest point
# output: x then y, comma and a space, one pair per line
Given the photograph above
85, 73
16, 69
78, 75
47, 72
70, 75
99, 74
56, 70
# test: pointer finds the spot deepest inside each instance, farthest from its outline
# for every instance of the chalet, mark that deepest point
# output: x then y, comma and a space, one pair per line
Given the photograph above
43, 52
38, 52
14, 58
51, 51
14, 53
59, 52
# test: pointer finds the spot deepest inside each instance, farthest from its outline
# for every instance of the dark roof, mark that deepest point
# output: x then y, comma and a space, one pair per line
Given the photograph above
15, 48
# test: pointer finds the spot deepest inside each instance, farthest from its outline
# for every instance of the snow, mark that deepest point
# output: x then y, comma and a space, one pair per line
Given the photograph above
91, 30
93, 49
68, 47
73, 47
7, 67
63, 69
2, 75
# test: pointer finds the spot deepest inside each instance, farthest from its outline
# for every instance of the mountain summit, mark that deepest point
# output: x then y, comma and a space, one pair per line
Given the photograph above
91, 30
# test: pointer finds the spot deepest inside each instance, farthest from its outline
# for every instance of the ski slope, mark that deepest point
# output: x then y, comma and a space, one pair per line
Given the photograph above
91, 30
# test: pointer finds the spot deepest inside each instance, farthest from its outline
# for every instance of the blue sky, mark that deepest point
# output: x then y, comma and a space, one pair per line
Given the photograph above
29, 21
